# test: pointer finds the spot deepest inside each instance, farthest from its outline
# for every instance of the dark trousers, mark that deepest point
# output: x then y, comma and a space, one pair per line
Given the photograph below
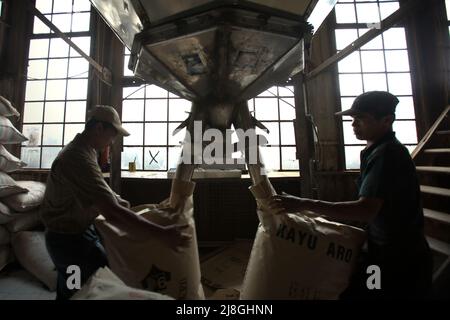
83, 250
406, 272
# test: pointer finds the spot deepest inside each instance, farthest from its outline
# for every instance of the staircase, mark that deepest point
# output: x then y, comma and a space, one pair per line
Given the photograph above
432, 159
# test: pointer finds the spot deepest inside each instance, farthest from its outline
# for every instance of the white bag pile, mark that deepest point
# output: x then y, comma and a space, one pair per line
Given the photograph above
299, 255
151, 263
105, 285
19, 206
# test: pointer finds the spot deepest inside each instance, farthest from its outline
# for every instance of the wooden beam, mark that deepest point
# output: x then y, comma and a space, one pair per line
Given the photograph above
365, 38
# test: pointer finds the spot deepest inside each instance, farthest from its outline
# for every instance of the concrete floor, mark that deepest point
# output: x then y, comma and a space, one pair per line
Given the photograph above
18, 284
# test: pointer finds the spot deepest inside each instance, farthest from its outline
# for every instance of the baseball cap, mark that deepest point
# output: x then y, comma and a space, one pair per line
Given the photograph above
376, 103
107, 114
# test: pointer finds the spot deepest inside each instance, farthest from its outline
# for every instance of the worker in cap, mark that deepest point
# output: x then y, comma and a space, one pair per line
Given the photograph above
388, 206
77, 193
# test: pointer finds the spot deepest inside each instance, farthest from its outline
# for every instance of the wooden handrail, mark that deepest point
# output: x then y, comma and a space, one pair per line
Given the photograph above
430, 132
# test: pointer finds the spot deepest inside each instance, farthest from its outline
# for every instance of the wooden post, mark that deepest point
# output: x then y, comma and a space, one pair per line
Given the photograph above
303, 137
427, 37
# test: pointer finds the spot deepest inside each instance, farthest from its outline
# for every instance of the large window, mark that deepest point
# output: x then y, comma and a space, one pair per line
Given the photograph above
151, 114
57, 81
381, 64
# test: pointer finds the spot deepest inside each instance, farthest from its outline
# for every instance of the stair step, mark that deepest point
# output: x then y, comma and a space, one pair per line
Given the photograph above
437, 150
443, 132
437, 215
435, 190
439, 246
434, 169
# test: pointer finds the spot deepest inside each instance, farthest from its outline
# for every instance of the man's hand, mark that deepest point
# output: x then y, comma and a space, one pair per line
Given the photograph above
282, 204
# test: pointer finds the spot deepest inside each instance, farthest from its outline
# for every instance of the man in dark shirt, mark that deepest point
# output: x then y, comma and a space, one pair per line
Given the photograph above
389, 204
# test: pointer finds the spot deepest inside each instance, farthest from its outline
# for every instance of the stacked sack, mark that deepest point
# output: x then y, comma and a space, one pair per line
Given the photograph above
19, 208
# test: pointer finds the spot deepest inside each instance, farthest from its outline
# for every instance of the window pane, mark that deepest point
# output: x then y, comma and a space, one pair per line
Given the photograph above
266, 108
374, 81
37, 69
52, 134
174, 156
33, 112
346, 103
78, 68
388, 8
372, 61
179, 109
351, 63
289, 161
31, 156
273, 137
62, 6
367, 12
56, 90
76, 111
287, 108
80, 22
156, 134
156, 110
271, 157
126, 70
352, 157
287, 133
57, 68
71, 130
399, 83
38, 48
269, 92
77, 89
133, 92
286, 91
405, 108
405, 131
81, 5
345, 13
397, 60
35, 90
132, 110
58, 48
133, 154
54, 112
350, 84
44, 6
153, 91
62, 21
84, 43
39, 26
48, 156
394, 38
136, 136
155, 159
179, 137
344, 37
33, 133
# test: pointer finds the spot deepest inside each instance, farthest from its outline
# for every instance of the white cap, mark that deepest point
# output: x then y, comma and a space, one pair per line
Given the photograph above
107, 114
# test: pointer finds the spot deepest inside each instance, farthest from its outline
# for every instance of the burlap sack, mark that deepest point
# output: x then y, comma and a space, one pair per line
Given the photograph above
151, 264
105, 285
31, 251
27, 221
299, 255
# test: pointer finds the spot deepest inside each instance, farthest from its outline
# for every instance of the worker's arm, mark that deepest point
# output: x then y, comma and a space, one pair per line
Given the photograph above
128, 219
364, 209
